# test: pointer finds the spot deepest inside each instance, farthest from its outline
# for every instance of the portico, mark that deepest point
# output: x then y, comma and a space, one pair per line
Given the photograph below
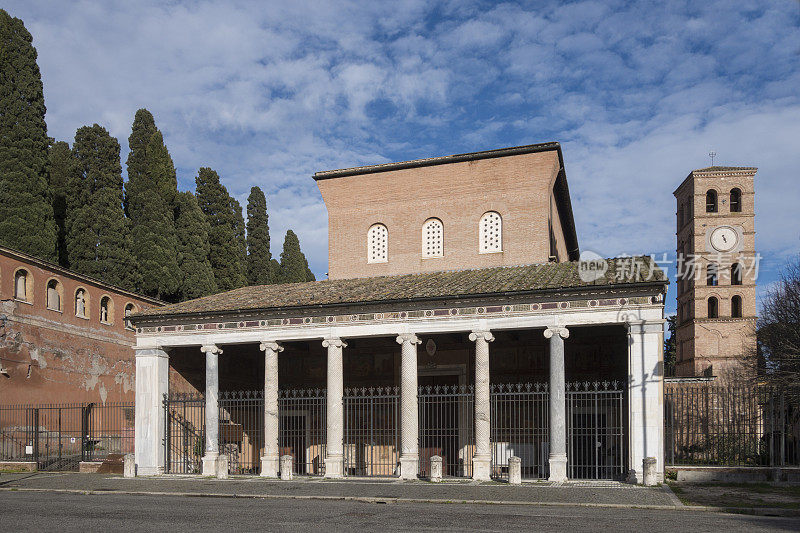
472, 323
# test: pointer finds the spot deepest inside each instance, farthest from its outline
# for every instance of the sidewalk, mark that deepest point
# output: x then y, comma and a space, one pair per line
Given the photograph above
605, 494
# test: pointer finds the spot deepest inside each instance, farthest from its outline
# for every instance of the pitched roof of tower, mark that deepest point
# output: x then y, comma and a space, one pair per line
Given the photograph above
542, 277
722, 169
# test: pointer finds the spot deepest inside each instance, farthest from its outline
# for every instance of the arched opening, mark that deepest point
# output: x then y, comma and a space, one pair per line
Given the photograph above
377, 244
23, 285
433, 238
736, 306
736, 274
106, 310
711, 201
491, 233
713, 307
81, 303
736, 200
129, 310
54, 295
712, 275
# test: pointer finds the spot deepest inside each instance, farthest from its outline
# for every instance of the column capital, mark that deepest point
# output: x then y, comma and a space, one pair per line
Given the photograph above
211, 348
410, 338
336, 342
483, 335
274, 346
552, 330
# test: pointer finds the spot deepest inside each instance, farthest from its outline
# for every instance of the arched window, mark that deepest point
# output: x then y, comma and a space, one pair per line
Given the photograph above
106, 310
433, 238
377, 244
129, 310
711, 201
736, 306
713, 307
54, 293
491, 233
736, 274
81, 303
712, 275
22, 282
736, 200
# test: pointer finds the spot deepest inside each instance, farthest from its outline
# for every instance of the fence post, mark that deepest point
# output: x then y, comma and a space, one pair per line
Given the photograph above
36, 435
83, 432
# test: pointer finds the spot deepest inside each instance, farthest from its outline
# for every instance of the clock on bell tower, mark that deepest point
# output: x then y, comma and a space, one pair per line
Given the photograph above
716, 271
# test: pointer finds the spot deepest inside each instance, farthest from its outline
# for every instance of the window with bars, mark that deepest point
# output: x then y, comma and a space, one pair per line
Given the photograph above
433, 238
378, 244
491, 233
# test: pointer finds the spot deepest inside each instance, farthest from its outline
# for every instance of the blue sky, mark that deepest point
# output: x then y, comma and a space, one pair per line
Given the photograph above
267, 93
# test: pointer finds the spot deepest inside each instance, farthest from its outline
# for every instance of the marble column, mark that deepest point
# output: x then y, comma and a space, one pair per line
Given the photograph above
409, 411
269, 461
334, 456
481, 462
152, 383
211, 457
558, 405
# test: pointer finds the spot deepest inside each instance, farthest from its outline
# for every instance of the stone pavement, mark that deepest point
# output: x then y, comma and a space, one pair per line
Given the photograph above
606, 494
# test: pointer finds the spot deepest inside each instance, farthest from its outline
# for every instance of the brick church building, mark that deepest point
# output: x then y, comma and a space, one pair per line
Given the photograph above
456, 322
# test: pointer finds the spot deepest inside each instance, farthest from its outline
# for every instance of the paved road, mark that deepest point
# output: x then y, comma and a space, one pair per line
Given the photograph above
48, 511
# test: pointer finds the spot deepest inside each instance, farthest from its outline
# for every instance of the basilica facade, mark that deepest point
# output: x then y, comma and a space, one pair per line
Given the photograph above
456, 322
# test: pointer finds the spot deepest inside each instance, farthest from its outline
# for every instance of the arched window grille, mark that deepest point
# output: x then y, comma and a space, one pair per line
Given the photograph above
491, 233
433, 238
377, 244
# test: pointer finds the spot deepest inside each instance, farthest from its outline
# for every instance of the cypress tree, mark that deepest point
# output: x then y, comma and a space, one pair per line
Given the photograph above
60, 166
226, 257
142, 131
294, 266
151, 210
98, 237
26, 215
259, 258
193, 248
239, 234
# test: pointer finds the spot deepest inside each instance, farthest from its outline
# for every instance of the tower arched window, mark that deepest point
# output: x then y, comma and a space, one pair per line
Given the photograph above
491, 233
736, 306
711, 201
713, 307
433, 238
712, 275
736, 274
377, 244
736, 200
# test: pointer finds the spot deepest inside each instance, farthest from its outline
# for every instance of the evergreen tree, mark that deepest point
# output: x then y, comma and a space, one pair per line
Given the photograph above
259, 258
294, 266
226, 254
239, 233
193, 249
60, 167
26, 215
142, 131
151, 210
98, 237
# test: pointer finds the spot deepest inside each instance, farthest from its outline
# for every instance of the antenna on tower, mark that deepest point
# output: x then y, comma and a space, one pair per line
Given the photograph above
712, 154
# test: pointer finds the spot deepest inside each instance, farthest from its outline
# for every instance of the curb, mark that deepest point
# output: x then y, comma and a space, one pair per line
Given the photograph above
758, 511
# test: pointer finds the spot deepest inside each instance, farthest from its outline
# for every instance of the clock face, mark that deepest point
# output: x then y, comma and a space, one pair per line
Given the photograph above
724, 239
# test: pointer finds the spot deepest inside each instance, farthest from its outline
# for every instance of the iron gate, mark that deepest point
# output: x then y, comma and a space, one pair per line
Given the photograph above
446, 428
301, 429
520, 423
371, 431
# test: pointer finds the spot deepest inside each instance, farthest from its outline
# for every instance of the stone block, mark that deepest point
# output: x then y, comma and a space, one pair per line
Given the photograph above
89, 467
129, 465
18, 466
649, 471
222, 467
514, 470
436, 469
287, 463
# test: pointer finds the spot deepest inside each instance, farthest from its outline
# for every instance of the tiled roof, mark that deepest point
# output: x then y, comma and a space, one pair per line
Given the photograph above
723, 169
432, 285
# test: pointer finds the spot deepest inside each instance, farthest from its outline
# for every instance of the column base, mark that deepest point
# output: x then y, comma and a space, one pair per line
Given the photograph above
269, 466
210, 463
149, 470
334, 467
481, 468
558, 468
409, 467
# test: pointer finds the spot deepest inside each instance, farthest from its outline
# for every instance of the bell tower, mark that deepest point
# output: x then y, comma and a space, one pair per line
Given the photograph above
717, 269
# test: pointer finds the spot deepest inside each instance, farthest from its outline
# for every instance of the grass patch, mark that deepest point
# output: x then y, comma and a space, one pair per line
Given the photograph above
738, 495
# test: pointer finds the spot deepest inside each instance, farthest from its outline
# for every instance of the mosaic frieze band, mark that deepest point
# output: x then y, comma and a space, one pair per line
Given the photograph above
474, 311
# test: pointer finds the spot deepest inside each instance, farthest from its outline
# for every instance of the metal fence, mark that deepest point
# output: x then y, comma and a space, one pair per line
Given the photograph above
446, 428
736, 425
596, 439
184, 435
371, 431
60, 436
301, 429
520, 427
